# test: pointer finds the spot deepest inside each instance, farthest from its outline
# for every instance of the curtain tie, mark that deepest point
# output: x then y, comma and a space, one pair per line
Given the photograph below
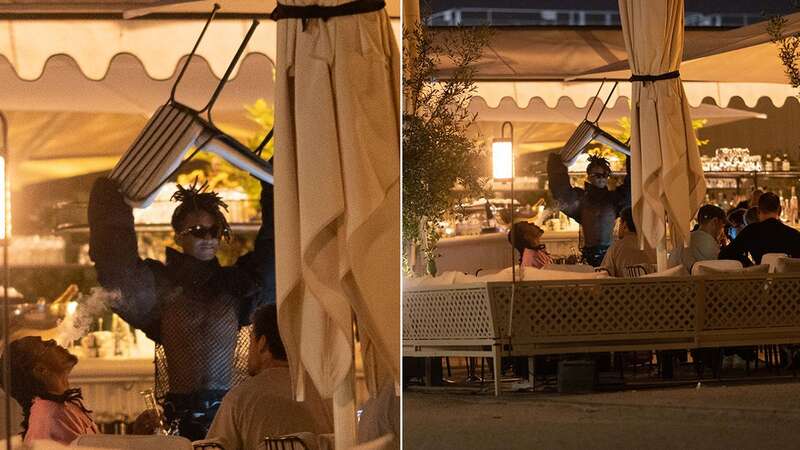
325, 12
651, 78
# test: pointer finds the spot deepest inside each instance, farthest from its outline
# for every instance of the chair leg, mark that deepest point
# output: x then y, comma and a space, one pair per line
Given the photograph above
532, 372
497, 360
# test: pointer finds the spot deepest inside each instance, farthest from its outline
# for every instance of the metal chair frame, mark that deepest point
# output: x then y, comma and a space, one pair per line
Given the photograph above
174, 127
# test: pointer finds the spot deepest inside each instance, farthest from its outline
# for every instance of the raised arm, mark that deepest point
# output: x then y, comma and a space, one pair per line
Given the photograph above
624, 190
259, 265
113, 248
567, 196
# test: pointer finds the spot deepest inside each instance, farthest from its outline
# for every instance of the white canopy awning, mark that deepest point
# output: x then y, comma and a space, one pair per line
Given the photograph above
568, 112
741, 55
77, 92
581, 92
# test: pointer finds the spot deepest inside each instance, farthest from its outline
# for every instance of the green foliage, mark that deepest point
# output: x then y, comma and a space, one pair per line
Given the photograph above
438, 153
219, 172
263, 114
623, 133
788, 48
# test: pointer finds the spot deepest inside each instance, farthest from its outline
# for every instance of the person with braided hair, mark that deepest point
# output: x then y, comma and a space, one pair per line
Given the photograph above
50, 408
194, 309
39, 383
594, 206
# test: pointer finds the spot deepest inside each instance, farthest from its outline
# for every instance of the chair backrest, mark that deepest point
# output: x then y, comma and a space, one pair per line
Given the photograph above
721, 265
158, 152
133, 442
296, 441
771, 259
787, 265
636, 271
578, 268
207, 445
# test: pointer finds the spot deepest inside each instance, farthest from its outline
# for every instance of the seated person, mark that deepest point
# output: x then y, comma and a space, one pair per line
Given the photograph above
264, 404
751, 216
752, 201
40, 384
527, 242
704, 241
625, 251
381, 415
769, 235
736, 223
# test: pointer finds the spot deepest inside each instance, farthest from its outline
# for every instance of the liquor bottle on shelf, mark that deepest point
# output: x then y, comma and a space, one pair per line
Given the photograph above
776, 163
768, 163
793, 207
786, 165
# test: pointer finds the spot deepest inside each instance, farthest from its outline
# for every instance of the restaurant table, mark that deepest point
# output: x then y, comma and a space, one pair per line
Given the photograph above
491, 251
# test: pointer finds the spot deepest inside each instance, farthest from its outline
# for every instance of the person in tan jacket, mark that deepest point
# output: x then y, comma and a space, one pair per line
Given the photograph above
625, 252
263, 405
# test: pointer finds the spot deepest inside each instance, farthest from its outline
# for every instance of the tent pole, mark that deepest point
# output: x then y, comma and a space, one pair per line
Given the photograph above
661, 251
6, 278
344, 406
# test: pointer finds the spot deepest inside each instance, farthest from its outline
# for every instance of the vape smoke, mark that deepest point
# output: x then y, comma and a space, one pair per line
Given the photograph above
90, 307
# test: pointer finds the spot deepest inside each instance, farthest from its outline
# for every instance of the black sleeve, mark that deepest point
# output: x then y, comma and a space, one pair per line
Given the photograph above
623, 192
568, 197
113, 248
259, 265
740, 247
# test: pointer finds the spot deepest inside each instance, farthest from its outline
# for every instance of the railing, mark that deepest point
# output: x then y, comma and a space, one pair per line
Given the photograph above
571, 17
601, 315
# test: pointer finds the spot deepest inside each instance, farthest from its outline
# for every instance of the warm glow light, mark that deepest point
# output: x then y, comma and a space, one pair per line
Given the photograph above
5, 194
72, 307
502, 159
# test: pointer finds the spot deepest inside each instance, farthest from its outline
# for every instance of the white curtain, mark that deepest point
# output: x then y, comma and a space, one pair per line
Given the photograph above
337, 173
667, 178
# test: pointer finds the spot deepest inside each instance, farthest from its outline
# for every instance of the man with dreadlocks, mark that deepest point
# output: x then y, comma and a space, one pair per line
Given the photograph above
192, 307
595, 207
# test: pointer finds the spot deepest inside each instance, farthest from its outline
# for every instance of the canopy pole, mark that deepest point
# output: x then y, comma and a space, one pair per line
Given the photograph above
6, 279
344, 406
661, 251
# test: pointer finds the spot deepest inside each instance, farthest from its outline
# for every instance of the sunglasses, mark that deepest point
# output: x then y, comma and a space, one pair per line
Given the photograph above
598, 175
200, 232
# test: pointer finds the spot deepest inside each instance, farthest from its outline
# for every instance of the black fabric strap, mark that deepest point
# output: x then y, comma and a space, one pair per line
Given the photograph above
663, 76
326, 12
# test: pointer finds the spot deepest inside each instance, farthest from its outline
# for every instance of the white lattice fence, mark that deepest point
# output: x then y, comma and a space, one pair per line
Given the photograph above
746, 303
598, 308
449, 313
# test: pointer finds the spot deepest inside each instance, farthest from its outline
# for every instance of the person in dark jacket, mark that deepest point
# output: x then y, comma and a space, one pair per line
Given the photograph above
768, 235
594, 206
190, 305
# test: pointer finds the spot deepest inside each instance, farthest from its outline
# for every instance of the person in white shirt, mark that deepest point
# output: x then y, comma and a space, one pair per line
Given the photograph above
625, 252
264, 405
704, 242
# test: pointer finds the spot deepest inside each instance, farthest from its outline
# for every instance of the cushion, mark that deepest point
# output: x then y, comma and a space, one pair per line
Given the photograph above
706, 270
677, 271
787, 265
722, 265
574, 268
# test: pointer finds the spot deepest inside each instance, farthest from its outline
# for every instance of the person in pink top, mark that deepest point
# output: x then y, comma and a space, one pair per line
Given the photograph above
40, 384
527, 242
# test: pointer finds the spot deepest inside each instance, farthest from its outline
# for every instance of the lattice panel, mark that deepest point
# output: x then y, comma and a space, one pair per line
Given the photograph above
447, 314
543, 310
752, 303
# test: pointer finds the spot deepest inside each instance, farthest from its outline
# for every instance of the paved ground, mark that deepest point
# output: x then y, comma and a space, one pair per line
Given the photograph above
752, 416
